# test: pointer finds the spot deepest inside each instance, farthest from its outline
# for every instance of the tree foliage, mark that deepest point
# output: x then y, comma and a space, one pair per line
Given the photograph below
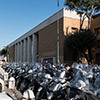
82, 42
4, 51
88, 7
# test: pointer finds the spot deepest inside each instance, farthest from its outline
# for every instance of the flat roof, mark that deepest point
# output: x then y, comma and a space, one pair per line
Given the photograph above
61, 13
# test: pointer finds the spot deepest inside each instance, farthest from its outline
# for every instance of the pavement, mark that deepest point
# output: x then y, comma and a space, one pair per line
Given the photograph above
4, 96
13, 93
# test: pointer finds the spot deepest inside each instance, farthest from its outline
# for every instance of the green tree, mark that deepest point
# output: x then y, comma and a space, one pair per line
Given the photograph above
88, 7
82, 44
4, 51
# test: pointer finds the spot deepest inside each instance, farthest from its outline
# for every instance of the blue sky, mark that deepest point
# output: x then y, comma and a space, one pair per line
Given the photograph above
19, 16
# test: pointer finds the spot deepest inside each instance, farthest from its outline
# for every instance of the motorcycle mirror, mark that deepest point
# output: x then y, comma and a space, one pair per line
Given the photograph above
48, 76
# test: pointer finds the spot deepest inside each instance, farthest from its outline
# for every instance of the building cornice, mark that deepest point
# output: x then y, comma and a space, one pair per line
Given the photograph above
60, 14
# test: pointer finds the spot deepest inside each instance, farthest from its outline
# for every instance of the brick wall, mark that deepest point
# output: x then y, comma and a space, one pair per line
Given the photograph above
48, 40
11, 53
94, 26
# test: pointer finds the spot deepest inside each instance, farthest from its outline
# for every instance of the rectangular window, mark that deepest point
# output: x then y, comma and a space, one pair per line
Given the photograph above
51, 60
74, 30
97, 31
98, 44
98, 57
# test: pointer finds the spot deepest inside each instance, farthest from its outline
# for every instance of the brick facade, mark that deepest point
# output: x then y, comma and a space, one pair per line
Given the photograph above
95, 27
45, 40
48, 40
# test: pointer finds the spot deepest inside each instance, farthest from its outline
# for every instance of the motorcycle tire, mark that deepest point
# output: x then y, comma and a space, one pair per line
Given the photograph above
0, 88
40, 95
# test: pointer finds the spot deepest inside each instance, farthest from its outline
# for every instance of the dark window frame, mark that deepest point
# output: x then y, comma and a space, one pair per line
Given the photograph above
97, 31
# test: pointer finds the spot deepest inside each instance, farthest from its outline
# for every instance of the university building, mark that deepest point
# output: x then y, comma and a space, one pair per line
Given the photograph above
40, 43
95, 27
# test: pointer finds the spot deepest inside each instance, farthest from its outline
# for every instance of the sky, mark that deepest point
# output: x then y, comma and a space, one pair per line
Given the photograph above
19, 16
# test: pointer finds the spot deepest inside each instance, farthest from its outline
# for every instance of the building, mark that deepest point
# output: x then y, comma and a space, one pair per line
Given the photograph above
40, 43
95, 27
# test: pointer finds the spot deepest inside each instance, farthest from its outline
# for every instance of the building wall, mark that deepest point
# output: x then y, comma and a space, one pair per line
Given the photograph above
48, 38
12, 54
48, 41
95, 22
41, 41
95, 27
71, 25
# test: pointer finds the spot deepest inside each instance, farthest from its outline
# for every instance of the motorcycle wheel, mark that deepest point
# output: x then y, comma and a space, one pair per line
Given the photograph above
40, 95
0, 88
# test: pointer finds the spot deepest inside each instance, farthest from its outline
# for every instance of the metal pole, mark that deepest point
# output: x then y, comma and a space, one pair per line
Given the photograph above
58, 33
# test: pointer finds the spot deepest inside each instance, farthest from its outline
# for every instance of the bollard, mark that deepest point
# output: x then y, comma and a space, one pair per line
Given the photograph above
12, 83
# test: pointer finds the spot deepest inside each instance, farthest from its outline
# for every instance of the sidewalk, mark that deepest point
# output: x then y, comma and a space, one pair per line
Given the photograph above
13, 93
3, 96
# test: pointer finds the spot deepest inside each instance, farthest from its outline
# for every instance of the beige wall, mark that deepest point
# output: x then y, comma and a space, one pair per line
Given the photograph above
70, 22
95, 22
94, 25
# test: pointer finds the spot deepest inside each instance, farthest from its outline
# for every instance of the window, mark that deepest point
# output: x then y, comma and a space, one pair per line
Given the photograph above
98, 57
74, 30
51, 60
97, 31
98, 44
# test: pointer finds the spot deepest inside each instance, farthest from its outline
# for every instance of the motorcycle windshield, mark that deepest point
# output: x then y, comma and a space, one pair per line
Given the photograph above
58, 73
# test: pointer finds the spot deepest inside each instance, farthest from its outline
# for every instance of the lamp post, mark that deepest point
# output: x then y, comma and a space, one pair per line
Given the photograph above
58, 33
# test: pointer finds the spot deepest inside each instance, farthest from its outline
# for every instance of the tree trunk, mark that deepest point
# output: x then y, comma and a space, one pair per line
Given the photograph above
89, 23
82, 21
89, 15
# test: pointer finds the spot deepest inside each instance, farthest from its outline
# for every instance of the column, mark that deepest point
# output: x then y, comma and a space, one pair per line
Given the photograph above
31, 48
15, 52
24, 51
28, 50
18, 53
21, 51
34, 48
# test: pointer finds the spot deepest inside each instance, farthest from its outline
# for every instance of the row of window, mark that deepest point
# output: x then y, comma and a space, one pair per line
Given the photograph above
97, 30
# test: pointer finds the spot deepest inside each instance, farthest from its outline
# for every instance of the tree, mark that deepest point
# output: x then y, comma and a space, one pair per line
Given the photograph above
82, 43
88, 7
4, 51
